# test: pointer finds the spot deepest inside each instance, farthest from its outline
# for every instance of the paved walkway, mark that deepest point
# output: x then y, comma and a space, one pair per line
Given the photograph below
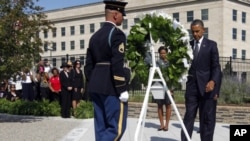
30, 128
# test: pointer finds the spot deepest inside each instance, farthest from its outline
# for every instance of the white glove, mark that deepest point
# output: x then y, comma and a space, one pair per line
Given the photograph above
124, 96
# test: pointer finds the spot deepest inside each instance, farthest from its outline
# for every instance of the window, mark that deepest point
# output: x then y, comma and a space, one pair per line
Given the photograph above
243, 54
234, 15
72, 45
244, 15
72, 30
82, 60
243, 35
190, 16
176, 16
63, 59
101, 24
136, 20
204, 14
54, 46
63, 33
45, 47
92, 28
81, 29
205, 34
234, 53
82, 44
125, 24
63, 45
72, 59
54, 61
45, 32
234, 33
54, 32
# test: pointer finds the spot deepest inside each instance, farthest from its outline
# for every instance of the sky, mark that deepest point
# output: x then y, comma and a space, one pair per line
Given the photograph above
57, 4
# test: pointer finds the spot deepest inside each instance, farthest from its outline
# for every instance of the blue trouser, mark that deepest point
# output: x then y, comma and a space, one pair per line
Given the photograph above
110, 117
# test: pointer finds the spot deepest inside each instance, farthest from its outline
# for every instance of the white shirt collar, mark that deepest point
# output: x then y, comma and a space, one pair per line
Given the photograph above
111, 22
200, 41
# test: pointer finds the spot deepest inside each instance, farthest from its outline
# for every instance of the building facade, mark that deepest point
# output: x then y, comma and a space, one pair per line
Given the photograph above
226, 22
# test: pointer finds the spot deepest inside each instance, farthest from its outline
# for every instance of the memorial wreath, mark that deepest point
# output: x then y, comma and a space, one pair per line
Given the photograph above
165, 31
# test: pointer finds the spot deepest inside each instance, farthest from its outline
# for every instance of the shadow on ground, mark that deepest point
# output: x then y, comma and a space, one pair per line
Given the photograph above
179, 126
151, 125
154, 138
19, 118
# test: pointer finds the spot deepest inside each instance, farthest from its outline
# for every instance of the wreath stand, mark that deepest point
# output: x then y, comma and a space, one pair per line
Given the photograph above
143, 113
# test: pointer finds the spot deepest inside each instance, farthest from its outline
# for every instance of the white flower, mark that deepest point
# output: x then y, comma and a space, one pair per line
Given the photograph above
175, 24
185, 39
183, 30
183, 78
185, 62
190, 52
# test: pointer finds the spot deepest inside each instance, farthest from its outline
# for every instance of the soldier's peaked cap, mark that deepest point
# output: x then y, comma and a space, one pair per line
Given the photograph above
116, 5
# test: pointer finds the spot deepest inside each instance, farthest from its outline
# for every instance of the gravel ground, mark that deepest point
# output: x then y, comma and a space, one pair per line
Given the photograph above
32, 128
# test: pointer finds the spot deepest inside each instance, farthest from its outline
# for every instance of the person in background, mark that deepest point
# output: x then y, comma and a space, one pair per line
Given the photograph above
13, 95
66, 90
55, 85
70, 65
44, 85
3, 91
202, 87
77, 78
39, 70
47, 66
104, 71
27, 86
163, 64
19, 84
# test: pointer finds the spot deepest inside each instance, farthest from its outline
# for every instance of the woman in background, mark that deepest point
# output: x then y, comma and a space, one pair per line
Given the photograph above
77, 78
55, 85
27, 86
13, 95
163, 64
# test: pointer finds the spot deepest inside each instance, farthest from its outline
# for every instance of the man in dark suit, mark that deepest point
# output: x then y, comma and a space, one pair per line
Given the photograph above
203, 84
66, 88
105, 75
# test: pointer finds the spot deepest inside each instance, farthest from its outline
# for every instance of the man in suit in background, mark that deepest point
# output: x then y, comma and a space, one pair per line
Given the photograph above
203, 84
106, 77
66, 90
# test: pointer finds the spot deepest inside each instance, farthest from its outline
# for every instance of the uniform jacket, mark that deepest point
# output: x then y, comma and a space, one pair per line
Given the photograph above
104, 67
206, 67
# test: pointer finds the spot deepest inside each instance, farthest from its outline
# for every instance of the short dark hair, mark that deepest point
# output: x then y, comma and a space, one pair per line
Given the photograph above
162, 48
197, 22
52, 70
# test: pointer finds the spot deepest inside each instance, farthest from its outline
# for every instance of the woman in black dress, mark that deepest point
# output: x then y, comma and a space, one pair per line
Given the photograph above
163, 63
77, 78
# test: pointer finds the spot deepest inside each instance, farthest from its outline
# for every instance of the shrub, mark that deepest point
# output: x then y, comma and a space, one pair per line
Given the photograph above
233, 92
20, 107
84, 110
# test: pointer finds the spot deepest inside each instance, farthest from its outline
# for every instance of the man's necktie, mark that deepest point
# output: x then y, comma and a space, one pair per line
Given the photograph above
196, 49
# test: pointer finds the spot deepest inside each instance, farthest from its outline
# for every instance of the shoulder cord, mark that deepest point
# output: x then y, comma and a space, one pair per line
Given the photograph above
110, 35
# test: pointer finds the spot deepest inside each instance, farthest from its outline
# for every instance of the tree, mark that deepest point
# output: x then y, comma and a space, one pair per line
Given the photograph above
20, 45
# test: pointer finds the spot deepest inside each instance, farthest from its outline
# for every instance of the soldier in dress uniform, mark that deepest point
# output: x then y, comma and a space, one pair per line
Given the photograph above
106, 78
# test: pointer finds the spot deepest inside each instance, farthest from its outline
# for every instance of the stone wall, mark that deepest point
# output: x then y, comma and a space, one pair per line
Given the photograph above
225, 114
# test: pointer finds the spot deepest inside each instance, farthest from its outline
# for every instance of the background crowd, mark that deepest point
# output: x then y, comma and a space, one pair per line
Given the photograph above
64, 85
